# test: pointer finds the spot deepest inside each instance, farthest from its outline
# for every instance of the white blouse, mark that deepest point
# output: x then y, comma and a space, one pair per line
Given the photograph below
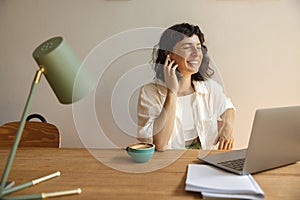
208, 104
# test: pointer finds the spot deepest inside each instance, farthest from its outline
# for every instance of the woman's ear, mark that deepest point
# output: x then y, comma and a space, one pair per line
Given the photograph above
171, 55
166, 52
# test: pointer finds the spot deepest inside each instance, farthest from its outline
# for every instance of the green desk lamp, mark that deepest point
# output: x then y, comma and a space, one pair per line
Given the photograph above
69, 82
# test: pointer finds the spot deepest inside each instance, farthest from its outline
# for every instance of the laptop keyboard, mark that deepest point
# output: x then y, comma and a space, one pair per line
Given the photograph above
234, 164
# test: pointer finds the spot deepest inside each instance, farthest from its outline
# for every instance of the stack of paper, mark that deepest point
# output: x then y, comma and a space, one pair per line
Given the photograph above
214, 182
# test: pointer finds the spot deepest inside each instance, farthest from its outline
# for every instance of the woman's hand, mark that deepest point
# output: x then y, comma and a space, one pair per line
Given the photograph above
170, 75
225, 137
225, 127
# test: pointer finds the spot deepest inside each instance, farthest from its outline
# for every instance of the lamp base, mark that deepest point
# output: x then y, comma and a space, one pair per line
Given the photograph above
9, 189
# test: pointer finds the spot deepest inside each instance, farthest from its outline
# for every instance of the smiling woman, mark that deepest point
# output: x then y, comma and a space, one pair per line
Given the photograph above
183, 106
188, 55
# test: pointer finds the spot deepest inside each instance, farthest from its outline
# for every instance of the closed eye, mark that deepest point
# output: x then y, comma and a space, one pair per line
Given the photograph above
189, 46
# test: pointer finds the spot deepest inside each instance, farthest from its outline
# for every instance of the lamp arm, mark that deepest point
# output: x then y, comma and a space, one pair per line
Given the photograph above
20, 130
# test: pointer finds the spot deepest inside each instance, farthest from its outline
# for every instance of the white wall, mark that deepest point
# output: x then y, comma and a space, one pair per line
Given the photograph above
255, 44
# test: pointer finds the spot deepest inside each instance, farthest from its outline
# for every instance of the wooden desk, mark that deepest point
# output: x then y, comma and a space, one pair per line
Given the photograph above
98, 181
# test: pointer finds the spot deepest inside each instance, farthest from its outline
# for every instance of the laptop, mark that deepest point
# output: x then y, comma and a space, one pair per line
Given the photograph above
274, 142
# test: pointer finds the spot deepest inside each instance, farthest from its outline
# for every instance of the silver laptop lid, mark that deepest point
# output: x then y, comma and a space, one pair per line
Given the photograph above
275, 139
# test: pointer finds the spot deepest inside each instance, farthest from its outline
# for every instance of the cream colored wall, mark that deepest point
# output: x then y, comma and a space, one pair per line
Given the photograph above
255, 44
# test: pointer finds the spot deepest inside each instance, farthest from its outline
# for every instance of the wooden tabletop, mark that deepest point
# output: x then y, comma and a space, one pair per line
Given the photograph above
111, 174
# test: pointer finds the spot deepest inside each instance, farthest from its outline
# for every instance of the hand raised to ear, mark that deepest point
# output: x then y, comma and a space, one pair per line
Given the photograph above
170, 75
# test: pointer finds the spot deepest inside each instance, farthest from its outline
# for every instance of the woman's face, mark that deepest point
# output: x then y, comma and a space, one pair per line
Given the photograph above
188, 55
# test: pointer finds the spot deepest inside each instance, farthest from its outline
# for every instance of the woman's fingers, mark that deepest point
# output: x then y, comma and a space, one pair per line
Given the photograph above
225, 144
167, 60
168, 66
173, 69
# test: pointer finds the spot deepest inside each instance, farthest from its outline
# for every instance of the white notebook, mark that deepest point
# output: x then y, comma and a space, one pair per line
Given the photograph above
214, 182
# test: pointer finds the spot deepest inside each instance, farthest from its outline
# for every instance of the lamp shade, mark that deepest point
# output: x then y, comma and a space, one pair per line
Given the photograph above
63, 70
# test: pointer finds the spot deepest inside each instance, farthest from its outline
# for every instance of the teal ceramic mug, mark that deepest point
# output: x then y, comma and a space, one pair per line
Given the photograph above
141, 152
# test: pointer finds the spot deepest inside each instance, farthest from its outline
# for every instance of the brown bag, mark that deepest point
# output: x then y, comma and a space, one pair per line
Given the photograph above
35, 134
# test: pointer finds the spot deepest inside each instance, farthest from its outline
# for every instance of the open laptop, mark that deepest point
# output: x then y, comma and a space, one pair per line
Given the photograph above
274, 142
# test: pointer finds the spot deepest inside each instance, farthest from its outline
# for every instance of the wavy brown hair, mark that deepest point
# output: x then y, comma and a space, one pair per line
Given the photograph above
168, 40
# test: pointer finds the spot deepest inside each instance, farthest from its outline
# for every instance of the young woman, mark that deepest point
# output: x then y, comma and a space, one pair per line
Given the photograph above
183, 107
